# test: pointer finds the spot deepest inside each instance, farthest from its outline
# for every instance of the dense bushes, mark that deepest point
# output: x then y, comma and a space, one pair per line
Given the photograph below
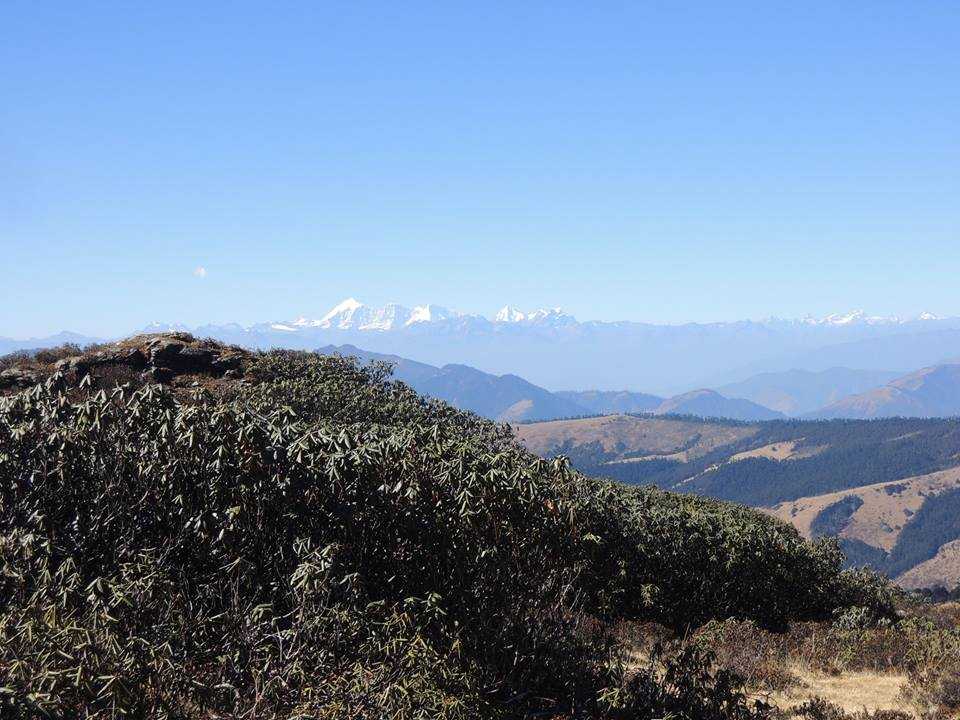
682, 560
923, 647
319, 542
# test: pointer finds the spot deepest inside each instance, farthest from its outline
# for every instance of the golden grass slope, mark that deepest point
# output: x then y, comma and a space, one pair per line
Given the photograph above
886, 508
641, 436
942, 569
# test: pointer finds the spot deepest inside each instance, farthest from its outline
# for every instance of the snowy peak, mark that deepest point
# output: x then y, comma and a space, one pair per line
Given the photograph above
860, 317
353, 316
541, 316
554, 316
386, 318
509, 314
158, 327
430, 313
845, 318
343, 316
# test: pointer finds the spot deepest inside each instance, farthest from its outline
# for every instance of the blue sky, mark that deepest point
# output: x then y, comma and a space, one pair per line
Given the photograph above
652, 161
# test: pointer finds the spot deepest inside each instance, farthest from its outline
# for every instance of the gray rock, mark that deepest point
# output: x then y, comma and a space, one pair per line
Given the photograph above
224, 364
195, 358
68, 364
17, 377
163, 352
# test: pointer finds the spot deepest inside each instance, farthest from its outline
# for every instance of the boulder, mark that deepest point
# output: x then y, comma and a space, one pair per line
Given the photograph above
69, 364
196, 359
226, 363
159, 375
17, 377
164, 352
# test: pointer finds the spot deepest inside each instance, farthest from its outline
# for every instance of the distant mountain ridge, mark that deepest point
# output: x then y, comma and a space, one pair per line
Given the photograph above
510, 398
612, 402
710, 403
796, 392
9, 345
554, 350
931, 392
507, 398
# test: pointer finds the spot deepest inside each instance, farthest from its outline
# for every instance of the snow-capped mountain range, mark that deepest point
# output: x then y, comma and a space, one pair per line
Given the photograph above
352, 314
555, 350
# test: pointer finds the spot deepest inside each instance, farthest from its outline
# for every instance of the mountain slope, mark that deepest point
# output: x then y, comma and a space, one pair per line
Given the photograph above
930, 392
507, 398
796, 392
605, 402
709, 403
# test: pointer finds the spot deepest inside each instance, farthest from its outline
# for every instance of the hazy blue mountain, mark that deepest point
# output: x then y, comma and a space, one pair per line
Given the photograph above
795, 392
709, 403
930, 392
607, 402
911, 346
507, 398
9, 345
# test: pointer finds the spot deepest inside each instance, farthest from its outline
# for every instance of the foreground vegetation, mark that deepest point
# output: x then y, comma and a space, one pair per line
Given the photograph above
316, 541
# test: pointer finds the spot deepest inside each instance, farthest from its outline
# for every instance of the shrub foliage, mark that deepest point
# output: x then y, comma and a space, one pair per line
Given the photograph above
321, 542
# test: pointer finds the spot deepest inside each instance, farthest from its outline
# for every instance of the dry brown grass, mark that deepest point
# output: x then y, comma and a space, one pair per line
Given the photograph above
852, 691
886, 508
942, 568
779, 451
909, 669
626, 434
774, 451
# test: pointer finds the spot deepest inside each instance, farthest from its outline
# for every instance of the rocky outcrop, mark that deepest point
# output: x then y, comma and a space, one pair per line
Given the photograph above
17, 378
159, 358
174, 354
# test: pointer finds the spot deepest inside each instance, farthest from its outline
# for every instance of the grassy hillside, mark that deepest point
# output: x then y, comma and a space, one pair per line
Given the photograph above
799, 469
291, 535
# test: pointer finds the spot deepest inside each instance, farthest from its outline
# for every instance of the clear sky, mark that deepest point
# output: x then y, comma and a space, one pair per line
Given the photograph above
657, 161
